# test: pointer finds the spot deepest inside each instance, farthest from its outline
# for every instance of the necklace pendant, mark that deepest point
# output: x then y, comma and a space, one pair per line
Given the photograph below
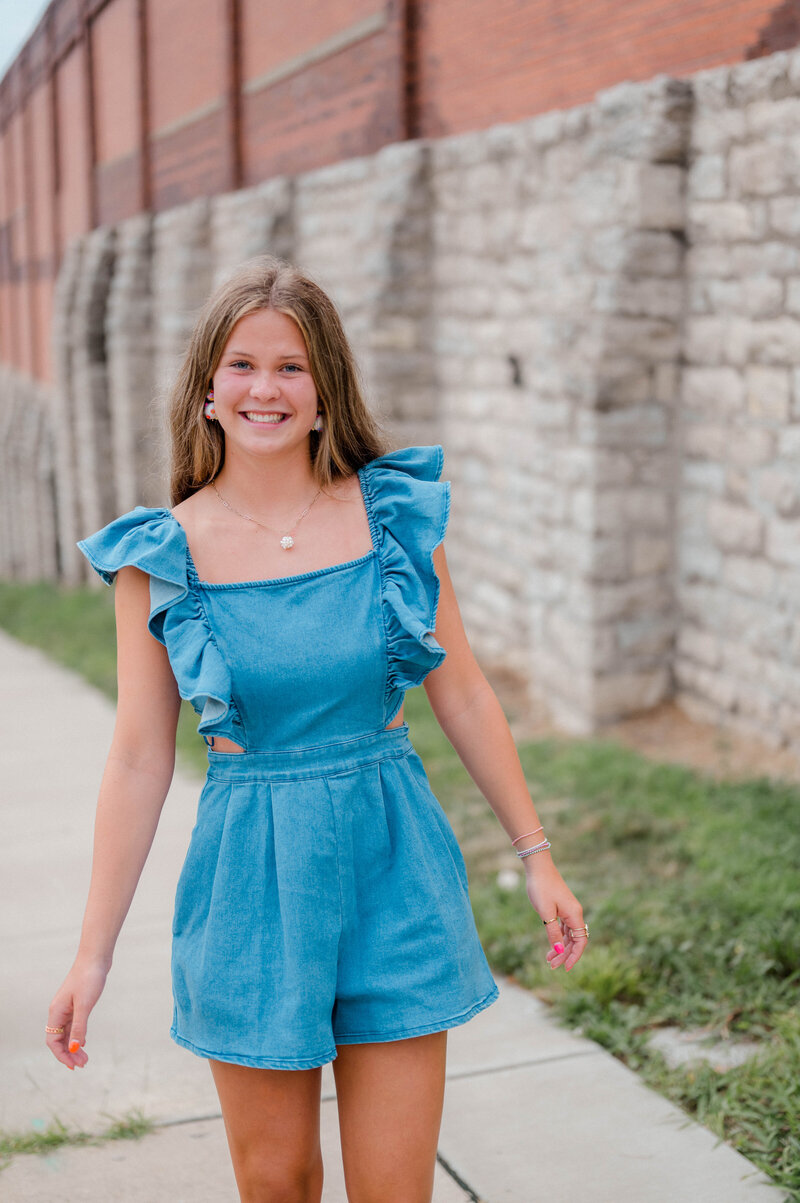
286, 542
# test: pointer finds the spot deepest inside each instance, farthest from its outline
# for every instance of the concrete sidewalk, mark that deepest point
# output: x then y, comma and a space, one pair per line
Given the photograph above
531, 1111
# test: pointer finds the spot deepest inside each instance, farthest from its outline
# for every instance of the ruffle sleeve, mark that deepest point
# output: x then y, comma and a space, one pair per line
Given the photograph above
408, 507
155, 542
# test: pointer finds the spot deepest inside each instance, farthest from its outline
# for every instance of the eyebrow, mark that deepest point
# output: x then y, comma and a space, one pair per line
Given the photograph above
289, 355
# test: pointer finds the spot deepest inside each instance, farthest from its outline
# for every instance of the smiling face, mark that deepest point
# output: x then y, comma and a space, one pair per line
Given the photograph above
264, 394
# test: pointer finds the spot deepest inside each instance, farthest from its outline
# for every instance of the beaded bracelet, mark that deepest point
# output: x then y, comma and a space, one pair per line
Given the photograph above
545, 844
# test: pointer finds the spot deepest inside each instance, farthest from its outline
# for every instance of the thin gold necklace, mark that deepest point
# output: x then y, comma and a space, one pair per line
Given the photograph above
287, 541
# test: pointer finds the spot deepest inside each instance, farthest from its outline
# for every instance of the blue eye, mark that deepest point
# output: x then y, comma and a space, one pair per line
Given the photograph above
296, 366
240, 363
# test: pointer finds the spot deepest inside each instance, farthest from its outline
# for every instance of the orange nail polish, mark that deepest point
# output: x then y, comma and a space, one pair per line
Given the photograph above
74, 1046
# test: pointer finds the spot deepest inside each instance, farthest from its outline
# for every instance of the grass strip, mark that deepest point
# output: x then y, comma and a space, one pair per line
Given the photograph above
57, 1135
690, 886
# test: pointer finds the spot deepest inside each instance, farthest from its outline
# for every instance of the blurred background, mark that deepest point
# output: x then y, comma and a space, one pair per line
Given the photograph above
565, 239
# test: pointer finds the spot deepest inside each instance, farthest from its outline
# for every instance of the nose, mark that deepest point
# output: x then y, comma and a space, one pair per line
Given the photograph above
264, 386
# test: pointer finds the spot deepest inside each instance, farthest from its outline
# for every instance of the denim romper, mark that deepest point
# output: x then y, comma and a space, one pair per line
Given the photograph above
323, 899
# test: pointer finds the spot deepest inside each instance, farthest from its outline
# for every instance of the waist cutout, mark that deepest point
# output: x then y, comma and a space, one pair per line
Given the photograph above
322, 760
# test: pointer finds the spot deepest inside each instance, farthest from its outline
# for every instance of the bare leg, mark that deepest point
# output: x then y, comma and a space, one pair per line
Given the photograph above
390, 1099
272, 1123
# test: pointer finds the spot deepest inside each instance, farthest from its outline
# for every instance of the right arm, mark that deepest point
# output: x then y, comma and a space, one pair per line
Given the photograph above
135, 782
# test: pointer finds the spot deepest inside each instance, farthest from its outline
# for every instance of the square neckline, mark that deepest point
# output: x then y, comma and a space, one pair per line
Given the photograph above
292, 577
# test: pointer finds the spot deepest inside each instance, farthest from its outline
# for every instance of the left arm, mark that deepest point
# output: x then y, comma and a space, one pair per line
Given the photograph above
471, 717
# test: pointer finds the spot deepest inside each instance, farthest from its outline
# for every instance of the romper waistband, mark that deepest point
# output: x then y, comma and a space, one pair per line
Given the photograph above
322, 760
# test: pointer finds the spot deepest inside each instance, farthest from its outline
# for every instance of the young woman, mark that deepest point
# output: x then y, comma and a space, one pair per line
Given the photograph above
322, 913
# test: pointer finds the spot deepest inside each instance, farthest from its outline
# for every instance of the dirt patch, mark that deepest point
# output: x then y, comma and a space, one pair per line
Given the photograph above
665, 734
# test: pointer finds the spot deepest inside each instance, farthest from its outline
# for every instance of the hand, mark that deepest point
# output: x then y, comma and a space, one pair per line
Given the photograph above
70, 1009
552, 899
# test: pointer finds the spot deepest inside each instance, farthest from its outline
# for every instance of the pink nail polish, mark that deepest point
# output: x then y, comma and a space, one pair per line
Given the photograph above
559, 948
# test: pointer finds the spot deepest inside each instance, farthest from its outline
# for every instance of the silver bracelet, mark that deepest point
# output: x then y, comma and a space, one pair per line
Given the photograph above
545, 844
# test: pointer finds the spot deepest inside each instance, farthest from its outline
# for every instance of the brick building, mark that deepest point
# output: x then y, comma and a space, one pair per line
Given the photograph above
114, 107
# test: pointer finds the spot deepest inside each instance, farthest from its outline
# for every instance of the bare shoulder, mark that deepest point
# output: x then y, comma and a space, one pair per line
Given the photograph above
193, 509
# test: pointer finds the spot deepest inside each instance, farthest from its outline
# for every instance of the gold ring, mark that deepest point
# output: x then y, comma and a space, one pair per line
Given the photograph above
54, 1031
553, 920
579, 932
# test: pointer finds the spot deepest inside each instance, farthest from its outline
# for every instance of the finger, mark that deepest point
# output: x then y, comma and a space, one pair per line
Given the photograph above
77, 1035
58, 1019
555, 934
577, 939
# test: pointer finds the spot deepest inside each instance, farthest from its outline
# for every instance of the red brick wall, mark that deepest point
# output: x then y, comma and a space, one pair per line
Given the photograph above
481, 62
321, 83
74, 148
186, 85
117, 84
43, 258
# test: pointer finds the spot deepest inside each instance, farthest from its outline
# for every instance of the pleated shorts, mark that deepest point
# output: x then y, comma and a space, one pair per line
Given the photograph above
323, 901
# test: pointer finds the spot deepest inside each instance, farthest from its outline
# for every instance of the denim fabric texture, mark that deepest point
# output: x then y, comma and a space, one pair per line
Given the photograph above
323, 899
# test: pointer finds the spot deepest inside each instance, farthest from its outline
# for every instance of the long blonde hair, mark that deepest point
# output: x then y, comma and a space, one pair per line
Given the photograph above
350, 436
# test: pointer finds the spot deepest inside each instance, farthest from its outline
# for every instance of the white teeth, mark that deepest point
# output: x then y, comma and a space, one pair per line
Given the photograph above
273, 418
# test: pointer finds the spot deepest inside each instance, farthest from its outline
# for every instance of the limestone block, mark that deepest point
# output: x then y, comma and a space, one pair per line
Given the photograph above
570, 640
773, 118
705, 261
660, 202
650, 554
783, 542
749, 575
784, 215
656, 298
547, 129
773, 258
705, 341
637, 252
703, 477
637, 425
622, 382
788, 443
735, 528
707, 178
699, 644
648, 638
753, 296
714, 131
758, 169
647, 338
776, 341
745, 446
626, 693
768, 392
793, 296
714, 391
759, 79
795, 407
610, 558
629, 599
710, 89
723, 221
639, 508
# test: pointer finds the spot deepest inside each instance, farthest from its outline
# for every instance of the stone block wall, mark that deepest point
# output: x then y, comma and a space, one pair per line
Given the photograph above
557, 259
737, 654
597, 312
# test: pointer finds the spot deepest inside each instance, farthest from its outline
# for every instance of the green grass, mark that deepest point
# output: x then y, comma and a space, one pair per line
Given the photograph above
55, 1135
76, 627
690, 886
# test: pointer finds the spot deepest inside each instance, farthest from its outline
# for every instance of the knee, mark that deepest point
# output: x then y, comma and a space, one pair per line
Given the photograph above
265, 1180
